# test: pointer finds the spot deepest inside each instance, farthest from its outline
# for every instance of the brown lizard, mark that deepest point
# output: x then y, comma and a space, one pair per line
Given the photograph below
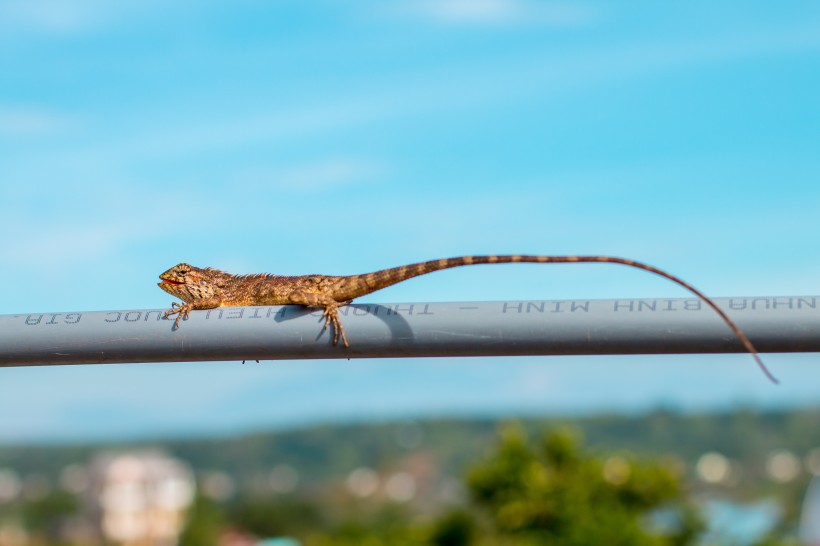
210, 288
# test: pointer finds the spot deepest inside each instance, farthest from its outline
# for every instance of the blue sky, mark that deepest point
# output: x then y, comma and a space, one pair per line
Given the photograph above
343, 137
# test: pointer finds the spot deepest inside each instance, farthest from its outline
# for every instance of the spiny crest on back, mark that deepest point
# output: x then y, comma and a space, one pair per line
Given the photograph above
253, 276
215, 271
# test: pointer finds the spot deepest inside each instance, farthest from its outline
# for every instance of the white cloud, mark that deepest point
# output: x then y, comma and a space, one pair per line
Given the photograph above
51, 15
30, 121
498, 11
321, 175
329, 173
54, 246
65, 18
469, 10
86, 222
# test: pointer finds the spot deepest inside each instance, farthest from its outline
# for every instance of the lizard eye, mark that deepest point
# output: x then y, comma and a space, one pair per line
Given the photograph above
203, 281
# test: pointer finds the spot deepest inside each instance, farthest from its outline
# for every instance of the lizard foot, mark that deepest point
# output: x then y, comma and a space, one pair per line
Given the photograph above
331, 315
181, 311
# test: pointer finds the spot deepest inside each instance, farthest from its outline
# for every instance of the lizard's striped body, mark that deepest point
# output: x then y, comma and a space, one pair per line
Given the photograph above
206, 288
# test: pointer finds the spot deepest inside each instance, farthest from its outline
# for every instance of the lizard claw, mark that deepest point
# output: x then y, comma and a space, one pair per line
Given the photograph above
181, 311
331, 315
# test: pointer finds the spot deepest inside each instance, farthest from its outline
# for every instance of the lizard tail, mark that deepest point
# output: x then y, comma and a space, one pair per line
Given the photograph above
370, 282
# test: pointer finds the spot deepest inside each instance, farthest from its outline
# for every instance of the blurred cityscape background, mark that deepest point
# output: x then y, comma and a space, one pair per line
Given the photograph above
744, 477
344, 137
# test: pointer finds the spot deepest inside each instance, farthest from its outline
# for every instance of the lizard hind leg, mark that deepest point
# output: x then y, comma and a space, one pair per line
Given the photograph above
330, 313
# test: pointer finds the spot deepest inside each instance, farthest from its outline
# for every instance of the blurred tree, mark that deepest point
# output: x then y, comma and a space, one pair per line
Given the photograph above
454, 529
554, 493
269, 517
46, 514
205, 523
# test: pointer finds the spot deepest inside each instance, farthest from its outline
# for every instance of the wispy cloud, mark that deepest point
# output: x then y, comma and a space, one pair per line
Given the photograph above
50, 15
96, 221
17, 121
498, 12
61, 18
321, 175
53, 246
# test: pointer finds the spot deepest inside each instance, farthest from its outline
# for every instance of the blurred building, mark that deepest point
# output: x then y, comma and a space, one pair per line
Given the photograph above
810, 514
140, 498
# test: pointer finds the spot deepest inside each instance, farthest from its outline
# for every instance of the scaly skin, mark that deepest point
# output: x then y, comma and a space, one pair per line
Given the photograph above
210, 288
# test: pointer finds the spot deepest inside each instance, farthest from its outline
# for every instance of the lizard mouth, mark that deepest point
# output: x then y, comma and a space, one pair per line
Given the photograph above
169, 281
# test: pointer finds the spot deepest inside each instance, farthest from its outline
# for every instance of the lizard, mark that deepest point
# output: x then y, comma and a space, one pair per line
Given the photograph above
208, 288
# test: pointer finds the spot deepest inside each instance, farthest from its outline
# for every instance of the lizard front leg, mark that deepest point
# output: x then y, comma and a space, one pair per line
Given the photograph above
182, 310
330, 314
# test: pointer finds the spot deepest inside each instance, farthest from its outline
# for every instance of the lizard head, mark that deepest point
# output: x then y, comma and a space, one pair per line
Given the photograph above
190, 283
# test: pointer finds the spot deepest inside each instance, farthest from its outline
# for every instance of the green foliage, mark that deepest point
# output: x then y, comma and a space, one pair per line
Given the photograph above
205, 523
454, 529
554, 493
267, 517
389, 525
46, 513
773, 540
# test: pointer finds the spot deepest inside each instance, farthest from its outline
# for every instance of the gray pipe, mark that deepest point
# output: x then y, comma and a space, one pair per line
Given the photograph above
573, 327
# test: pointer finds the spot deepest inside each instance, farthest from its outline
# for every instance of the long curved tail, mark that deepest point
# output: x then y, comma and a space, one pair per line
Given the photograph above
370, 282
